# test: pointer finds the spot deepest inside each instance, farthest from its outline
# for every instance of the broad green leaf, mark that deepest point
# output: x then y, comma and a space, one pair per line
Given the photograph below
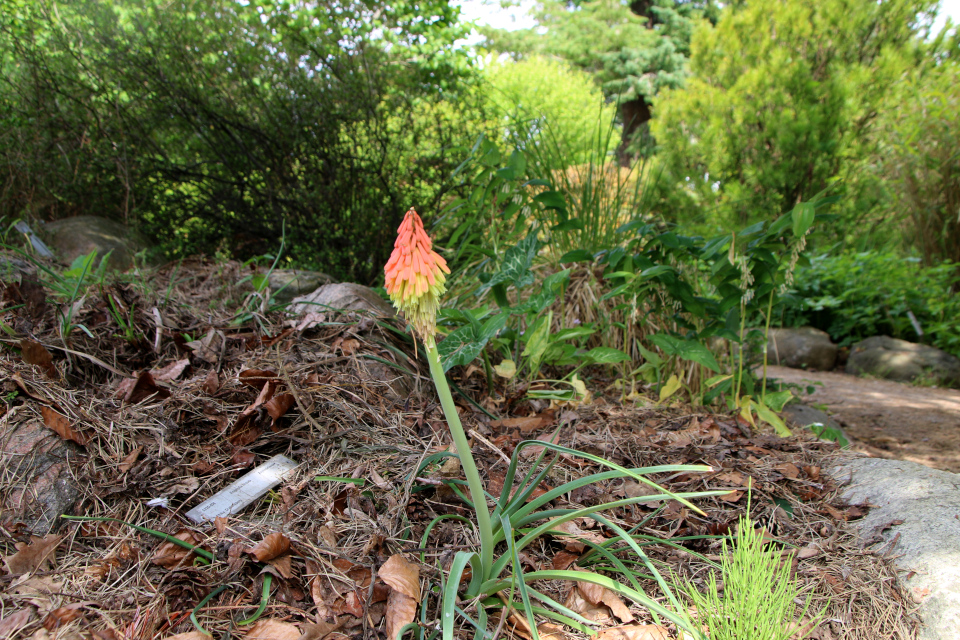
577, 255
552, 200
493, 326
650, 356
699, 353
506, 369
715, 380
778, 400
670, 345
607, 355
460, 347
537, 342
575, 332
515, 268
769, 416
671, 387
803, 215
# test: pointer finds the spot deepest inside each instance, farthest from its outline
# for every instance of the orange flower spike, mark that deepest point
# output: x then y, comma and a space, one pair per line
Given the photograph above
415, 275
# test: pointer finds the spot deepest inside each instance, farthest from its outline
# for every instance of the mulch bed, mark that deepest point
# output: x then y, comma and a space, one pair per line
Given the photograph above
164, 417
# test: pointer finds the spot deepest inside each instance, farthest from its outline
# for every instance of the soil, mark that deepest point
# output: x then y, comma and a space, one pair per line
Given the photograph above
886, 419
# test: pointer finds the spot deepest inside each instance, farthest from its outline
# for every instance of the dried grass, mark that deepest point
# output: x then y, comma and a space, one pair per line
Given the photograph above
350, 420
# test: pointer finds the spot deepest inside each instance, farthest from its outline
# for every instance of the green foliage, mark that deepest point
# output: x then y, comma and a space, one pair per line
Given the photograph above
212, 122
780, 100
700, 290
537, 92
853, 296
759, 597
633, 50
919, 138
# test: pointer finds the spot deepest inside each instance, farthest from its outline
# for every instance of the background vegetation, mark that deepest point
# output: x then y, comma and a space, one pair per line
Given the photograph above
647, 177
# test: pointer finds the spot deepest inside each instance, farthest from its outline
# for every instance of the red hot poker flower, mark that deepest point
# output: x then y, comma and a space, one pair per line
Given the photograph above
414, 275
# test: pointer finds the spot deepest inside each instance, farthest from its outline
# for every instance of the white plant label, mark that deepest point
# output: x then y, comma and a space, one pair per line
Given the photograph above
244, 490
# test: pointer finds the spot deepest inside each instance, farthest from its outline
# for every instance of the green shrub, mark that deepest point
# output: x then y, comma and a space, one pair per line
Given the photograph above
212, 123
853, 296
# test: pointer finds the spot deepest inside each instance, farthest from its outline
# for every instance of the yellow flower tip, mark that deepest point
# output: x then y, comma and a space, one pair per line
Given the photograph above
415, 275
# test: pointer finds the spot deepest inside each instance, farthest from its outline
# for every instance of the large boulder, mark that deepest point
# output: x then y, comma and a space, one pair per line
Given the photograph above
43, 486
801, 348
342, 296
886, 357
914, 518
78, 236
287, 284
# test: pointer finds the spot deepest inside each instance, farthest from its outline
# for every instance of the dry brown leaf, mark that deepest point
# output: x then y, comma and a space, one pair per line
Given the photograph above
573, 532
551, 631
252, 420
789, 470
14, 622
526, 425
632, 489
171, 555
564, 559
270, 547
634, 632
328, 536
131, 458
597, 595
351, 603
350, 347
320, 630
266, 629
617, 606
190, 635
143, 387
733, 496
402, 575
278, 406
32, 556
401, 610
283, 565
60, 425
592, 612
59, 617
170, 372
37, 354
211, 383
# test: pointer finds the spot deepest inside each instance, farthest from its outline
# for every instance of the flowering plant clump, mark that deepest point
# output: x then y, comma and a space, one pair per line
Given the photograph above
415, 281
415, 275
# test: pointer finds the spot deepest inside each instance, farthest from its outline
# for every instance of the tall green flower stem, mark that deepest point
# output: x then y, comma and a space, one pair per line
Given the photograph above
477, 493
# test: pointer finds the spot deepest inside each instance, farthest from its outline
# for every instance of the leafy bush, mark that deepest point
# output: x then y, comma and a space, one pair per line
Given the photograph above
528, 95
211, 123
920, 133
853, 296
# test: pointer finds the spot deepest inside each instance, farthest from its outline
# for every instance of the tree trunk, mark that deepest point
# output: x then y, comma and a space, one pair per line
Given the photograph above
635, 113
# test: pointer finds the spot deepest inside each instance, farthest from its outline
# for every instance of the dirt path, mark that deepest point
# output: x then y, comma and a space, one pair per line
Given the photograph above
888, 419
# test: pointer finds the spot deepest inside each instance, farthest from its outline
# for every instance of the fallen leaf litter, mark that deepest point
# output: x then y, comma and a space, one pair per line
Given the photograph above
217, 400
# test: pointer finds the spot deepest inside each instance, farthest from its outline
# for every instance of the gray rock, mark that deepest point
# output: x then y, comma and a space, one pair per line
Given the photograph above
287, 284
926, 546
74, 237
803, 416
801, 348
886, 357
44, 487
343, 296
